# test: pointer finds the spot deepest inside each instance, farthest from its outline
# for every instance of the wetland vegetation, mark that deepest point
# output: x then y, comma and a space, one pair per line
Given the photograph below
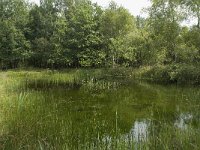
100, 78
85, 109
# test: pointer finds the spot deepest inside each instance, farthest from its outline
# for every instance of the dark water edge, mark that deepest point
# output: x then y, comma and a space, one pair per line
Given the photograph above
55, 110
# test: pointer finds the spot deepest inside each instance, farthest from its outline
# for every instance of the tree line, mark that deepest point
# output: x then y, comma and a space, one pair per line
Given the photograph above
79, 33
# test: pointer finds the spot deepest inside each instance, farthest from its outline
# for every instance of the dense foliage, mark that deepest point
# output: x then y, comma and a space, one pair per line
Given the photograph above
79, 33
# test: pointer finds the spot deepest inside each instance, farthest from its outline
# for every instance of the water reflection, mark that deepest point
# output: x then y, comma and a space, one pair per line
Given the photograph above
84, 116
183, 121
140, 131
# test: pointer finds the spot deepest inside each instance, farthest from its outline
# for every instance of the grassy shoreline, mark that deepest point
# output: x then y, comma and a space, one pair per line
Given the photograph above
180, 74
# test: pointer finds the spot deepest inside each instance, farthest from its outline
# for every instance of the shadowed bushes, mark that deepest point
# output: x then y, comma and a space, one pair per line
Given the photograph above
176, 73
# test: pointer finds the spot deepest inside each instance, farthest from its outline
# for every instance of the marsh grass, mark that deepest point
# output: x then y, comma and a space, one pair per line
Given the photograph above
90, 109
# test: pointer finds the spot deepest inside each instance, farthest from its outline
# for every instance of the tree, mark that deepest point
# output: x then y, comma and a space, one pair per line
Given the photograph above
79, 33
116, 23
83, 37
164, 24
193, 7
42, 26
192, 42
14, 47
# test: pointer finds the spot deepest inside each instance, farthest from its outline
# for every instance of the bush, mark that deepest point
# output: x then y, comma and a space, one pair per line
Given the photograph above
188, 74
174, 73
157, 74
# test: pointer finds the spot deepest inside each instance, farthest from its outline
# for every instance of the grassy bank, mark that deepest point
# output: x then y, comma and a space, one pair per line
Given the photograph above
167, 74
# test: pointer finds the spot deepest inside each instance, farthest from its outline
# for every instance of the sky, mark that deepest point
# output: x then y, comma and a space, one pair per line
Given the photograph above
134, 6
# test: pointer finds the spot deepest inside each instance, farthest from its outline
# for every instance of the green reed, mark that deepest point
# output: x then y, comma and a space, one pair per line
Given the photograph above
90, 109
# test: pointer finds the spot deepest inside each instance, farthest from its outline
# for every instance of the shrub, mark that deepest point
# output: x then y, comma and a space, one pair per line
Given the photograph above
174, 73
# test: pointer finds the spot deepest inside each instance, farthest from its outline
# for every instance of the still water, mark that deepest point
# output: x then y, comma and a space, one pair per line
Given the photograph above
104, 114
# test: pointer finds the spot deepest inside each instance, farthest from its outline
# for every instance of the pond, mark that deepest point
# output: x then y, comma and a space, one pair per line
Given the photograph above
111, 113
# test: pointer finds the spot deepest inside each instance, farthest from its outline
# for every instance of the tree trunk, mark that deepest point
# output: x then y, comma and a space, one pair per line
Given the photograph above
113, 59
